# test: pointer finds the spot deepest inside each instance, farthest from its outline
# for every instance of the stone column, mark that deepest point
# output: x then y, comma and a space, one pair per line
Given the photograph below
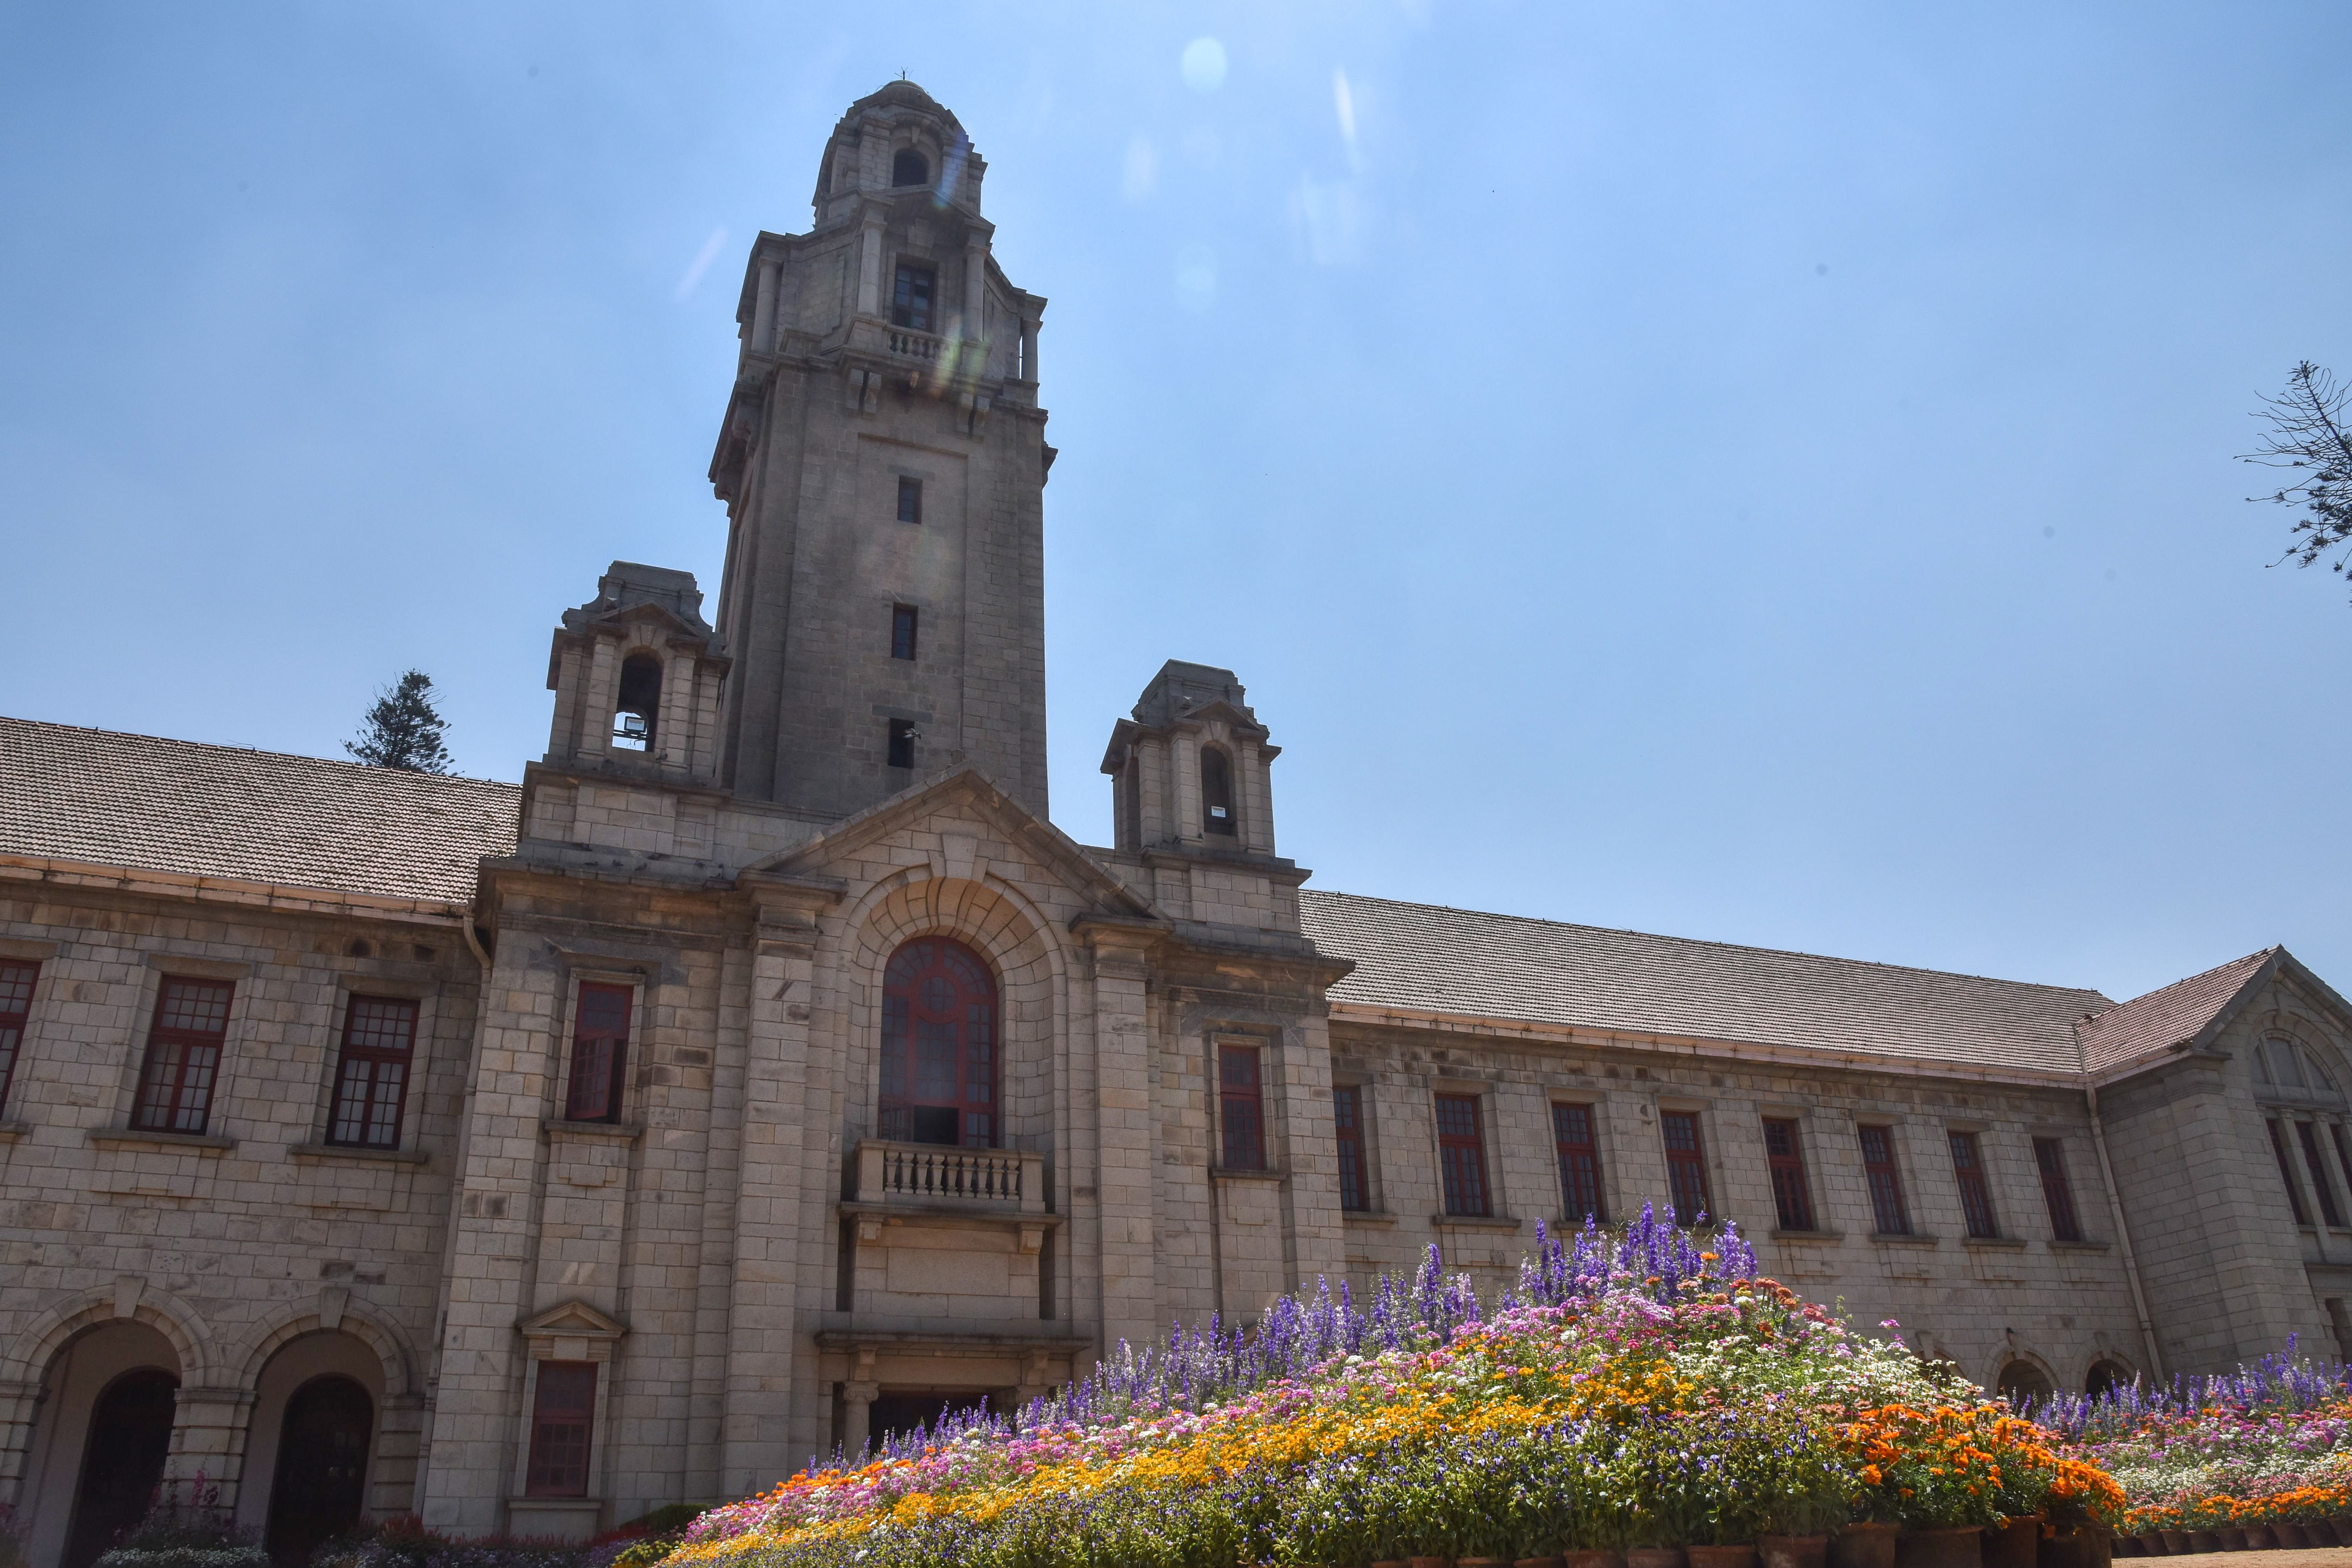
858, 1416
1029, 346
20, 1407
596, 703
208, 1440
975, 276
763, 308
674, 736
1127, 1141
869, 267
392, 1473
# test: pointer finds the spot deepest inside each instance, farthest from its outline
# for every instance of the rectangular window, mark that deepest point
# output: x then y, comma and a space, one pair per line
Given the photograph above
1685, 1166
2321, 1187
1792, 1199
2286, 1173
910, 500
372, 1079
902, 743
1580, 1164
1347, 1117
16, 1007
563, 1413
1462, 1155
600, 1053
184, 1051
1240, 1109
2343, 1153
1887, 1213
902, 631
1976, 1196
2057, 1192
911, 295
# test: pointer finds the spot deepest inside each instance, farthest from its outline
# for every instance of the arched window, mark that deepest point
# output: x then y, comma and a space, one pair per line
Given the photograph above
122, 1461
2105, 1377
2022, 1380
938, 1046
909, 167
640, 705
1216, 792
322, 1454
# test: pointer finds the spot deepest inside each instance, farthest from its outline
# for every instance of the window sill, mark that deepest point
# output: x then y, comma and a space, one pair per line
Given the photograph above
2078, 1246
1904, 1238
1366, 1217
126, 1137
1241, 1174
557, 1131
1831, 1236
1993, 1243
1474, 1222
308, 1152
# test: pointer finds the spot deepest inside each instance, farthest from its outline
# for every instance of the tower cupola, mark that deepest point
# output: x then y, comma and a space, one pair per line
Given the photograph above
1191, 769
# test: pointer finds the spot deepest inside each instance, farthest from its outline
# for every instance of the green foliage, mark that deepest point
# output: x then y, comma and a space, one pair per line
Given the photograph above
186, 1529
403, 731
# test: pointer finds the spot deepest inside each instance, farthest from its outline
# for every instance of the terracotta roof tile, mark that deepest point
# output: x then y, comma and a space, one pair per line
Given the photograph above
1432, 959
69, 793
2164, 1018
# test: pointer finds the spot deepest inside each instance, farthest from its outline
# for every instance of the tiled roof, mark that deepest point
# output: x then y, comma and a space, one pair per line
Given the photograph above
1431, 958
2164, 1018
69, 793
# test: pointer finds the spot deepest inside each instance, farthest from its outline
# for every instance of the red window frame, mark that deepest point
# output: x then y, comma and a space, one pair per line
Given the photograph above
373, 1073
184, 1054
1888, 1209
1462, 1156
1241, 1109
2321, 1187
1686, 1187
562, 1423
2057, 1192
1348, 1124
938, 1046
1784, 1156
1579, 1163
1975, 1194
600, 1051
16, 982
2286, 1173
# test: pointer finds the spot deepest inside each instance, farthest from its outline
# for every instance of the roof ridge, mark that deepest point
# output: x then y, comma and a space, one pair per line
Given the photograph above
2263, 955
1710, 942
253, 751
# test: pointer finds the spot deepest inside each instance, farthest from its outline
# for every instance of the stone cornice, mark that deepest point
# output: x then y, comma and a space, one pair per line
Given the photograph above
100, 878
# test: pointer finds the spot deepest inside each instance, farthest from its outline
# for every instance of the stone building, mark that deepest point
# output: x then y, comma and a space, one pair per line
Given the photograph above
767, 1070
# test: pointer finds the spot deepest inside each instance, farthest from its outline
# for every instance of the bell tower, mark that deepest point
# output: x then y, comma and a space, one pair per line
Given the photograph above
882, 462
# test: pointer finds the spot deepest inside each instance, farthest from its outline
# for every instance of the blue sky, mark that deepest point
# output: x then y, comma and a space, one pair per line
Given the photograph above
1754, 472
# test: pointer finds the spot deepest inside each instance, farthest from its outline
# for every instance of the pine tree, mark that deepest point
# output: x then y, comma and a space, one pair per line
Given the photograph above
402, 730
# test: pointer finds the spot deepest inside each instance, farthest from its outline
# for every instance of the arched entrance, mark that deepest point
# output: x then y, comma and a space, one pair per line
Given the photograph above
122, 1462
322, 1453
2105, 1377
2023, 1382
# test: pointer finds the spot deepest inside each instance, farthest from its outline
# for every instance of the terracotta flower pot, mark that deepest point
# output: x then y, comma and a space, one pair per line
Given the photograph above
2176, 1542
1428, 1563
2291, 1534
1864, 1543
2013, 1543
1959, 1547
2151, 1542
2204, 1540
1592, 1559
1793, 1550
1478, 1562
2233, 1538
1724, 1557
1656, 1557
1539, 1563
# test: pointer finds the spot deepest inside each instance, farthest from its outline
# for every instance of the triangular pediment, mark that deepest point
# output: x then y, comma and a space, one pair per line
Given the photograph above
965, 787
573, 1321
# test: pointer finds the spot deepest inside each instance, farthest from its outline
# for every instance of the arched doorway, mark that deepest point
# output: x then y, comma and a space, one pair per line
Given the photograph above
2023, 1382
322, 1453
938, 1046
122, 1462
2105, 1377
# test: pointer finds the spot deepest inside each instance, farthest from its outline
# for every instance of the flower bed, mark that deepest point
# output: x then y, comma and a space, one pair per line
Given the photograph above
2268, 1444
1635, 1390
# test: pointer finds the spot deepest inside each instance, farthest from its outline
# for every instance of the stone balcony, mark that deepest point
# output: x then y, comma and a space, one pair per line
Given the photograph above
894, 1182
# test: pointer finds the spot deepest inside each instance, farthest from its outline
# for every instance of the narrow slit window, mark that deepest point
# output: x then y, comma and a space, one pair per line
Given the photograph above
1888, 1212
2286, 1173
16, 1008
1685, 1166
1241, 1108
1216, 791
1462, 1156
600, 1053
2057, 1192
910, 500
183, 1053
1976, 1195
902, 631
2321, 1187
911, 295
902, 744
1348, 1117
562, 1415
1580, 1164
1793, 1197
638, 709
371, 1077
